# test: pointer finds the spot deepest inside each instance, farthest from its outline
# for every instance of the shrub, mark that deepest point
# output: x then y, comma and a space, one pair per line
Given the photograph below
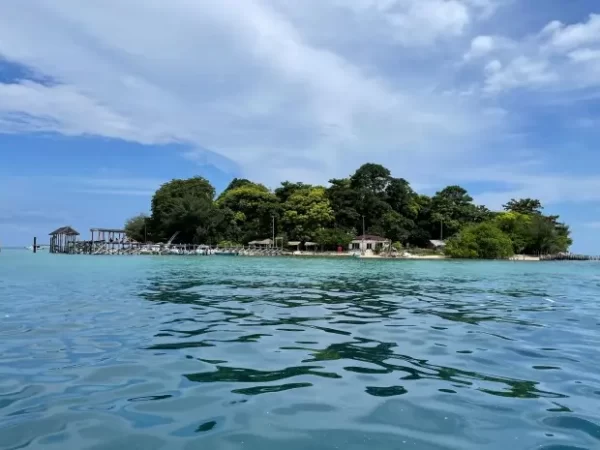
484, 240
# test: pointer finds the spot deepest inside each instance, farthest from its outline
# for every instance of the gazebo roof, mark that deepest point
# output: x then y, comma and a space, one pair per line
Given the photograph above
108, 230
370, 237
264, 242
68, 231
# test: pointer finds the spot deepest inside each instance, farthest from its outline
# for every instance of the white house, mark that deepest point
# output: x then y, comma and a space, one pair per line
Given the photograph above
369, 243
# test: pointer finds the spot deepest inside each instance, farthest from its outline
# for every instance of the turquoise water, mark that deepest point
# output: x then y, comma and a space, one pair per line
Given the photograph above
263, 354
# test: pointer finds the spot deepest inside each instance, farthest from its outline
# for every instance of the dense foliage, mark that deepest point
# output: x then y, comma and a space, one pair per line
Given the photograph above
483, 240
135, 227
370, 200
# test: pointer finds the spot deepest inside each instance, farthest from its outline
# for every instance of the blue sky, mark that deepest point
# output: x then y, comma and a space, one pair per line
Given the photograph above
102, 101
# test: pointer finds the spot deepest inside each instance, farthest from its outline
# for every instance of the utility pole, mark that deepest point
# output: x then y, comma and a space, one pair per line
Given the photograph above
441, 230
274, 243
362, 249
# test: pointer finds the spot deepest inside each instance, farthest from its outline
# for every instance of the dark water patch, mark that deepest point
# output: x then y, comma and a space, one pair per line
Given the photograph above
206, 426
258, 390
241, 375
389, 391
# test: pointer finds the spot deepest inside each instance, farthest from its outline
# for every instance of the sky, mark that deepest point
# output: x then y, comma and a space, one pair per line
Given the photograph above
102, 101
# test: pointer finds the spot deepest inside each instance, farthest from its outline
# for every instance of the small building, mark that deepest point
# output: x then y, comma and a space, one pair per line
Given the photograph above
369, 243
63, 240
265, 243
308, 246
435, 244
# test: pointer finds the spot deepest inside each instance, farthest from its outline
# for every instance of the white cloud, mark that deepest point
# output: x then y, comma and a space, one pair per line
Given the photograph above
563, 37
559, 58
244, 79
30, 106
585, 55
286, 90
521, 71
417, 22
480, 46
94, 184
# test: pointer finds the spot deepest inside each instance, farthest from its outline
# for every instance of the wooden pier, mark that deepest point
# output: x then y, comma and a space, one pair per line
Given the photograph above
568, 257
112, 241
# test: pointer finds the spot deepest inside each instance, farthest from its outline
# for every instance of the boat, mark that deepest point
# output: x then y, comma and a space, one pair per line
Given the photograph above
38, 247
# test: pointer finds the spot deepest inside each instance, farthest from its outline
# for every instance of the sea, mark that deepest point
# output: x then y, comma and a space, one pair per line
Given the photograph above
217, 352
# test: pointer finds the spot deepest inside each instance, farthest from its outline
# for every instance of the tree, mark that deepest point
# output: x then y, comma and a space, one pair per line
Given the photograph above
546, 236
516, 226
169, 196
372, 178
524, 206
421, 233
305, 212
135, 227
395, 226
195, 218
253, 207
236, 183
287, 189
534, 233
451, 209
370, 200
332, 238
483, 240
343, 199
402, 199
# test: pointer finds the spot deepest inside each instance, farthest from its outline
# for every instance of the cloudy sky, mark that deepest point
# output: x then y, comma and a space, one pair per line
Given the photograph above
102, 100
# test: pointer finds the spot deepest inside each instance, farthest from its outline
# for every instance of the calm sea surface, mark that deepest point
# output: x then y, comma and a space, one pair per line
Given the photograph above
263, 354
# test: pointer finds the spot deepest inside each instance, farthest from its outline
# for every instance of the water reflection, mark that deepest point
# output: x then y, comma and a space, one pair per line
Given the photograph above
353, 300
265, 354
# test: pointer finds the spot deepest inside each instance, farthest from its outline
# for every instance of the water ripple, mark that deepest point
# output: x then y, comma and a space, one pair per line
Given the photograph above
260, 354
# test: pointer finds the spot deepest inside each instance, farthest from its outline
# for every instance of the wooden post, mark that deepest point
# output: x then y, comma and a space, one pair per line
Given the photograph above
34, 245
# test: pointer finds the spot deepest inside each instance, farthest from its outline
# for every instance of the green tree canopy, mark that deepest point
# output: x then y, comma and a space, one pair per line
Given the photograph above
387, 206
344, 201
169, 198
534, 233
195, 218
236, 183
287, 189
253, 207
371, 178
451, 209
136, 227
305, 212
332, 238
483, 240
524, 206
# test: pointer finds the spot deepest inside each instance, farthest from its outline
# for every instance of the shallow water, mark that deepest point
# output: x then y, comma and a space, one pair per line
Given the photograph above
263, 354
